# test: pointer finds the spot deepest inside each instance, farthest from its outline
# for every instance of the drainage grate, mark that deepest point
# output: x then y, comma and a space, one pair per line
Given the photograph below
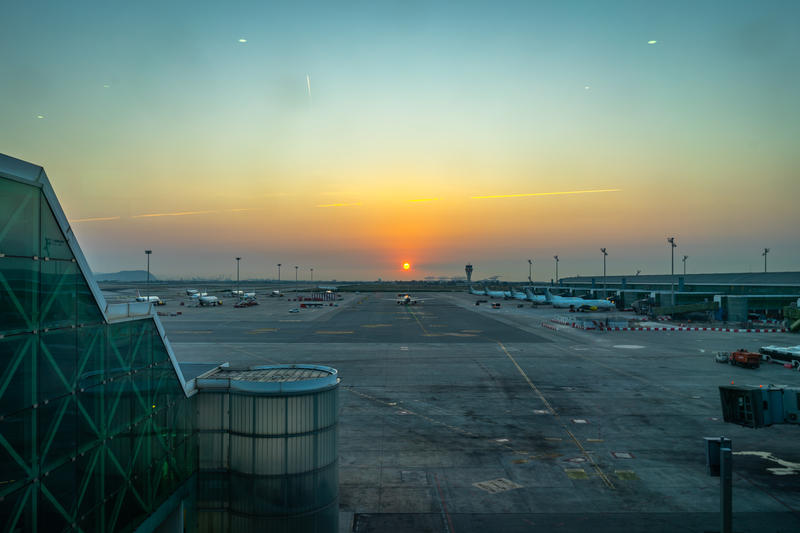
622, 455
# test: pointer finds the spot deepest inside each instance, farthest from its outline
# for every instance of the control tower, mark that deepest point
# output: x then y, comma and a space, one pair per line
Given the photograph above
468, 270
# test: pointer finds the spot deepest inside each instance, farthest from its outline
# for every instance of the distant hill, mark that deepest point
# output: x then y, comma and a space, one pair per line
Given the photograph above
125, 276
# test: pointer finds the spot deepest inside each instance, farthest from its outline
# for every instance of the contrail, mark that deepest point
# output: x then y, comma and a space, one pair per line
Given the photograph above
178, 214
94, 219
560, 193
308, 85
338, 205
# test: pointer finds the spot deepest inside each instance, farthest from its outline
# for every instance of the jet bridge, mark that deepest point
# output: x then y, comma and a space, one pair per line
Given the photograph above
760, 406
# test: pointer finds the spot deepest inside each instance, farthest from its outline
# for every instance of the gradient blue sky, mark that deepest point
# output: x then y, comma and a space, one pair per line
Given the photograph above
154, 109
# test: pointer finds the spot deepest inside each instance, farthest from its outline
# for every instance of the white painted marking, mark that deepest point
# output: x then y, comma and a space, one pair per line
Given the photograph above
629, 346
540, 412
493, 486
501, 440
787, 468
579, 421
622, 455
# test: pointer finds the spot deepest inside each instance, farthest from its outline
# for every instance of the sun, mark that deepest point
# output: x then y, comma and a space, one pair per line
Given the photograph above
406, 266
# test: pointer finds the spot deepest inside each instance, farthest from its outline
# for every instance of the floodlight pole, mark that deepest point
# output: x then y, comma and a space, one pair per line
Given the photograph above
671, 241
147, 285
279, 273
556, 258
605, 253
312, 274
237, 276
685, 257
766, 251
295, 279
530, 271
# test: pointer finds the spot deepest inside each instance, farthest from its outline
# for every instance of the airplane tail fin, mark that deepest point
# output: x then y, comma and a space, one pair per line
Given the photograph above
137, 294
547, 295
529, 294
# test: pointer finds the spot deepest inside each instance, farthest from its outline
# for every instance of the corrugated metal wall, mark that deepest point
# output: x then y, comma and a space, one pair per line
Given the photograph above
268, 461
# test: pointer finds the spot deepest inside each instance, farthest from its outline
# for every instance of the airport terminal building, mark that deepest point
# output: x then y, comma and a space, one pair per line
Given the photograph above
100, 429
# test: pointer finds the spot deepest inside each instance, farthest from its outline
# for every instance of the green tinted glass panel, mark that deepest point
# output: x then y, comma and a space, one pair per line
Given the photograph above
57, 432
119, 349
88, 311
53, 243
91, 356
19, 295
17, 384
58, 351
16, 448
91, 408
57, 294
19, 218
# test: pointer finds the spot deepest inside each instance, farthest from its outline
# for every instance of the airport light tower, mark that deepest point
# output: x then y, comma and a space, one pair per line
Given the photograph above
764, 253
685, 257
312, 274
147, 285
605, 254
672, 246
295, 279
530, 271
237, 276
556, 258
279, 273
468, 270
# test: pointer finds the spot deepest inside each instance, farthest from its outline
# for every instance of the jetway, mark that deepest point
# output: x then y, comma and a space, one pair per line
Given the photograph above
759, 406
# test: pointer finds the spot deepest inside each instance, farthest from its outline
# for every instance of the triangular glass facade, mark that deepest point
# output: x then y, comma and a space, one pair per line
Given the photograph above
96, 431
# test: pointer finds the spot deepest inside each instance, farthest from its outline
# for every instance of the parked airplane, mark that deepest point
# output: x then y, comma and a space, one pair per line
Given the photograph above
191, 292
208, 300
496, 294
476, 292
535, 298
406, 299
276, 292
152, 299
519, 295
249, 295
577, 303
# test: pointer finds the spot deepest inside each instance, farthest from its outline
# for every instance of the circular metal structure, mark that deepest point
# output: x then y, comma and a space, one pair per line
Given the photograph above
272, 430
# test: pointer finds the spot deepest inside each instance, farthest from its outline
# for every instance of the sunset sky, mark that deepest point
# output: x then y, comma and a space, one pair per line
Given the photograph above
353, 137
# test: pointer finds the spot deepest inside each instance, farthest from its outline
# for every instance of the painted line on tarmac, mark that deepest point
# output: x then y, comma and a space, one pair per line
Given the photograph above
553, 412
191, 331
407, 411
424, 331
326, 332
448, 523
262, 330
376, 325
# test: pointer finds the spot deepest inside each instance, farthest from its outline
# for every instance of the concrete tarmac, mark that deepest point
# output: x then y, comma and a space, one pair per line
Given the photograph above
462, 418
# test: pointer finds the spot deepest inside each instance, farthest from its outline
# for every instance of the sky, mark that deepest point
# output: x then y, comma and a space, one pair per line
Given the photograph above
353, 137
